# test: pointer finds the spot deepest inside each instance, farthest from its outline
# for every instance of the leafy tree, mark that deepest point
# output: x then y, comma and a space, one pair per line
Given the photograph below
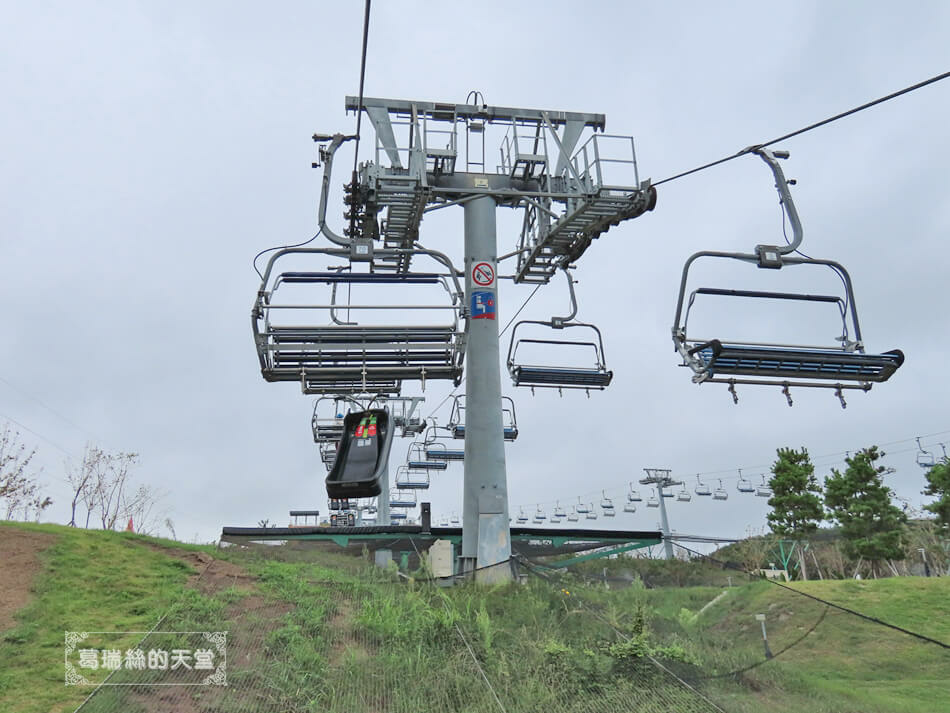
796, 499
938, 484
860, 503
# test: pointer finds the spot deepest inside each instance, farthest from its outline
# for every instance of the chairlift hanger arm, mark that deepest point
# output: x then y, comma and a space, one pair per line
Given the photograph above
560, 322
781, 184
327, 154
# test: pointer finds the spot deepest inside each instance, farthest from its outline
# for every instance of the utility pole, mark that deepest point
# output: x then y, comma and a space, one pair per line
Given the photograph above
660, 477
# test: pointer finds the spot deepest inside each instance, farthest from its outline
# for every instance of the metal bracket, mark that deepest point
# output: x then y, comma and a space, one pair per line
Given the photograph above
788, 394
840, 395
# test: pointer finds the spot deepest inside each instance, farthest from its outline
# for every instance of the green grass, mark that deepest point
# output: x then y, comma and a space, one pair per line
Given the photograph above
91, 581
349, 636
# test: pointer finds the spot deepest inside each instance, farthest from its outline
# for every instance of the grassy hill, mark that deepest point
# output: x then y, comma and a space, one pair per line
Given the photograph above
312, 630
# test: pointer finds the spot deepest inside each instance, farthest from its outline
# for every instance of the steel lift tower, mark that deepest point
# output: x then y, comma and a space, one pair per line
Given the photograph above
572, 182
660, 477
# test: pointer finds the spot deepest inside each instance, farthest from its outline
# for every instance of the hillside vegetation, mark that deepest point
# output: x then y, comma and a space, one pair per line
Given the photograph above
313, 630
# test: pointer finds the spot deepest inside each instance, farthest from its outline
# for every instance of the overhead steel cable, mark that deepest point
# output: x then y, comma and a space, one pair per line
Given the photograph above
810, 127
866, 617
359, 117
359, 106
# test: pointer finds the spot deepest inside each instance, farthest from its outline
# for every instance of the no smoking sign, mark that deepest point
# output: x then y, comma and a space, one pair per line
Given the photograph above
483, 274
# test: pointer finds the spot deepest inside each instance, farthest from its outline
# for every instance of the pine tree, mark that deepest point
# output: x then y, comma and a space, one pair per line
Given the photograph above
861, 504
938, 484
796, 499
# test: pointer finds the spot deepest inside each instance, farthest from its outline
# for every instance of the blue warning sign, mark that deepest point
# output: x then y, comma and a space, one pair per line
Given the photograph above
483, 305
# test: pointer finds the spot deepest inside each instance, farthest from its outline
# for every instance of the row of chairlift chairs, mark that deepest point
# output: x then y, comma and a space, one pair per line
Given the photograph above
423, 457
333, 354
607, 508
346, 357
340, 357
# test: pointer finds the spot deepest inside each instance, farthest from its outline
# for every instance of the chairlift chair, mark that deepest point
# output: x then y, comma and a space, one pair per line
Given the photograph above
438, 452
629, 507
702, 489
509, 421
522, 517
558, 510
606, 504
313, 342
411, 478
582, 508
634, 495
720, 492
402, 498
572, 515
763, 490
925, 459
397, 515
683, 495
744, 485
540, 515
328, 451
417, 458
328, 415
591, 376
455, 519
842, 365
591, 514
653, 501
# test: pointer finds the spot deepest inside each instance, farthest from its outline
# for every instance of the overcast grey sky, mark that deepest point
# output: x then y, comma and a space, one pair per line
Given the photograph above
150, 149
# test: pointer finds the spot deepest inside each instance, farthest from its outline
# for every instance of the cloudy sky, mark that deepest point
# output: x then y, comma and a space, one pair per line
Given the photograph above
151, 149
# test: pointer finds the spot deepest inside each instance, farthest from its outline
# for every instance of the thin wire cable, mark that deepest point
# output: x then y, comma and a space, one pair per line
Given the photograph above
49, 408
39, 435
615, 491
598, 615
824, 613
500, 334
875, 620
810, 127
359, 106
282, 247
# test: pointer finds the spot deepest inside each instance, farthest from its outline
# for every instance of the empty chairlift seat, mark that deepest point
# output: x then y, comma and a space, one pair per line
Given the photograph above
309, 328
509, 421
412, 478
417, 458
559, 374
438, 452
843, 364
328, 414
558, 363
402, 498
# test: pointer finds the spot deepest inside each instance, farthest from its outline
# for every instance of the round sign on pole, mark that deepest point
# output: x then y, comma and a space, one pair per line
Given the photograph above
483, 274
